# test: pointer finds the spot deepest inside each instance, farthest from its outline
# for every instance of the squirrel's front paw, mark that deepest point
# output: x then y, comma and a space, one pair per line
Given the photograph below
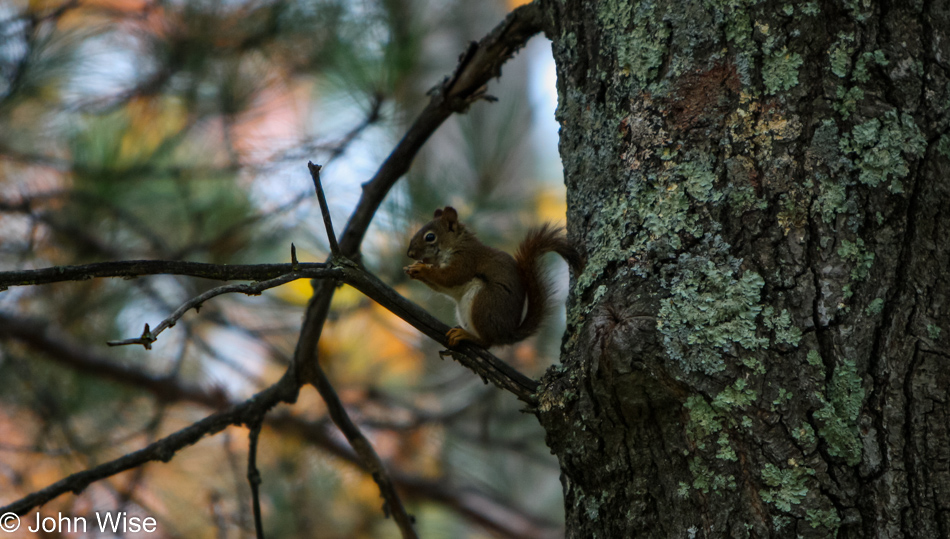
415, 269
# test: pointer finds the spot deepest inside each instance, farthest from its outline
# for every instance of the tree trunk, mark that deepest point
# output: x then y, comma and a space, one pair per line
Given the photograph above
759, 344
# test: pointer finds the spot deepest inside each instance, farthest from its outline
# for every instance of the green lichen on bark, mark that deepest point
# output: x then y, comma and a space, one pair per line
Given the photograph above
689, 164
734, 16
824, 146
823, 518
637, 37
788, 490
943, 145
699, 180
788, 485
840, 61
810, 8
710, 422
707, 480
725, 452
838, 416
711, 310
855, 253
848, 100
606, 239
704, 420
881, 147
707, 418
664, 215
804, 435
708, 429
832, 199
840, 54
738, 395
861, 73
780, 70
874, 307
785, 332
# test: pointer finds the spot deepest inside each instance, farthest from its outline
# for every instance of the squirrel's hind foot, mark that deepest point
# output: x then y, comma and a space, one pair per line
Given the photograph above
457, 335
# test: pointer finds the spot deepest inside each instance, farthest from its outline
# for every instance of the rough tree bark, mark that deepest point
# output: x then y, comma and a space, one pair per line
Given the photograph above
759, 344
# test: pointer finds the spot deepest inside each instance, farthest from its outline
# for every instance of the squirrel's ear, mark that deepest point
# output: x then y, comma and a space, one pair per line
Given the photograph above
450, 216
438, 213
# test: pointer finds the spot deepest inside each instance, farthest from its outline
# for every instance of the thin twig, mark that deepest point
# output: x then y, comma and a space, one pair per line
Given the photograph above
254, 289
27, 204
335, 150
254, 475
324, 208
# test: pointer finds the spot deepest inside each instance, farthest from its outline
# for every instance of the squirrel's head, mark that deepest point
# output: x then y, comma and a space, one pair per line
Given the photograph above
436, 237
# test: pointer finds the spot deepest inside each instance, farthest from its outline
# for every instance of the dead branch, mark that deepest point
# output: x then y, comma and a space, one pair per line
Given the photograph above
285, 390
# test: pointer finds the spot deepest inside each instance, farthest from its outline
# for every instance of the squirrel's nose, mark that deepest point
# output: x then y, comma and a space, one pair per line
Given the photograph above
409, 253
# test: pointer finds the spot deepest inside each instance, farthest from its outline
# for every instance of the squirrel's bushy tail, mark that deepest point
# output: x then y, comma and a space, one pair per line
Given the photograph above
541, 240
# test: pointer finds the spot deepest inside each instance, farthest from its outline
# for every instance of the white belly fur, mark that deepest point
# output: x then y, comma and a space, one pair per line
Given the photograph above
464, 296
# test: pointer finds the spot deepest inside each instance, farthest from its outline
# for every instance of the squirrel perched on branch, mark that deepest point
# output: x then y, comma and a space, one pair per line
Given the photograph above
489, 286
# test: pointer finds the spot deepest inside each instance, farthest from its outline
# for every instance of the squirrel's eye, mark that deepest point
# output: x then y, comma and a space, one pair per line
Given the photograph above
430, 237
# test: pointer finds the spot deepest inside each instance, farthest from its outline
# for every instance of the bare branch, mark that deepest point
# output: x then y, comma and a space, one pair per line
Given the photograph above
324, 209
285, 390
334, 149
254, 475
483, 60
253, 289
494, 514
140, 268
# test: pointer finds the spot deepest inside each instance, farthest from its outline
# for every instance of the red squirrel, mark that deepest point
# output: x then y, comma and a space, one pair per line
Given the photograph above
489, 286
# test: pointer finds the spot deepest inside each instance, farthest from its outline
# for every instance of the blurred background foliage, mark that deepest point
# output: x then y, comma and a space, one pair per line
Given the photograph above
181, 130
